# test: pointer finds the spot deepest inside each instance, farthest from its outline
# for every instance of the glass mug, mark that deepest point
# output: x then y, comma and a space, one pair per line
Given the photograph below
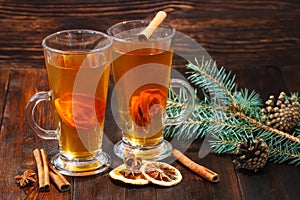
142, 76
78, 67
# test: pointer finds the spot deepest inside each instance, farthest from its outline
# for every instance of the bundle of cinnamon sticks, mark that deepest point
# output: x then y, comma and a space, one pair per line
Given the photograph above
44, 174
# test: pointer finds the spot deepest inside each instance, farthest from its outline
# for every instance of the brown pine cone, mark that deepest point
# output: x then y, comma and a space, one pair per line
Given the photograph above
283, 114
251, 155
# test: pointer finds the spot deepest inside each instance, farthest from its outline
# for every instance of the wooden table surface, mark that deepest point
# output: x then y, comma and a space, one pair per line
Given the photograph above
259, 41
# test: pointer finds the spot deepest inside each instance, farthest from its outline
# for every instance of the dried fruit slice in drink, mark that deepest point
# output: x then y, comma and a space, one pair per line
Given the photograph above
150, 102
135, 111
77, 110
161, 173
120, 173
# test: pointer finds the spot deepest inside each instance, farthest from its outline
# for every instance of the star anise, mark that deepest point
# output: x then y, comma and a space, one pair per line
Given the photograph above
26, 178
133, 166
161, 172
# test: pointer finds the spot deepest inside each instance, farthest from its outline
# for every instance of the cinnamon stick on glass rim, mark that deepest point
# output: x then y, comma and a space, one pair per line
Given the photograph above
199, 169
156, 21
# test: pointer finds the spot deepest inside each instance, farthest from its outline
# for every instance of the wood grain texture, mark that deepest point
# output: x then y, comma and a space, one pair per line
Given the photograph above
273, 182
17, 141
196, 187
4, 81
265, 81
291, 76
258, 41
236, 34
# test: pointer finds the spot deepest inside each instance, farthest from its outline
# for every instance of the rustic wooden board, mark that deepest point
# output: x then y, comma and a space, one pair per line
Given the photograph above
17, 141
291, 76
257, 40
195, 187
236, 34
4, 80
263, 80
273, 182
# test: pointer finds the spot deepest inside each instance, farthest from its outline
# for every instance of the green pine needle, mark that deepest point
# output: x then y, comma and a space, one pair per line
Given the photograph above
229, 115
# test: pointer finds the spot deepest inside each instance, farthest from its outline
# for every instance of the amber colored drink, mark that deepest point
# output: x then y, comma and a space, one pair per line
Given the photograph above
79, 112
142, 117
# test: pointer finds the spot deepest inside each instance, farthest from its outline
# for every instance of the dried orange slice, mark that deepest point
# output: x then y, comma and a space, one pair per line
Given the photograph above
140, 105
151, 98
135, 110
161, 173
136, 179
76, 110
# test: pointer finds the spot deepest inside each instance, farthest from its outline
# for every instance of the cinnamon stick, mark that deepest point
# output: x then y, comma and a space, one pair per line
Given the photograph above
42, 168
199, 169
156, 21
59, 180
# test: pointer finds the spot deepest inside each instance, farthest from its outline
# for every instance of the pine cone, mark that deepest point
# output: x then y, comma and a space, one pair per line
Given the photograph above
251, 155
283, 114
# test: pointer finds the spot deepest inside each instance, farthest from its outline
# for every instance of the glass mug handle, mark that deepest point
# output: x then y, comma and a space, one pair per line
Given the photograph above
30, 110
189, 105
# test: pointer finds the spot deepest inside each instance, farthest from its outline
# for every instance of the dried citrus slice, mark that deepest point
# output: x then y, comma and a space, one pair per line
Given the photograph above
76, 110
135, 111
140, 106
136, 179
149, 98
161, 173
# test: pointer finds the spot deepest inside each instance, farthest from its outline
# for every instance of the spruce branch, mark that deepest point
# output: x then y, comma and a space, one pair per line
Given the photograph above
230, 116
268, 128
214, 80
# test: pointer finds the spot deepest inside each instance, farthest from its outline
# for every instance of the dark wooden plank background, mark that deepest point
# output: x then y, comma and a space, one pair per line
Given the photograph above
258, 40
